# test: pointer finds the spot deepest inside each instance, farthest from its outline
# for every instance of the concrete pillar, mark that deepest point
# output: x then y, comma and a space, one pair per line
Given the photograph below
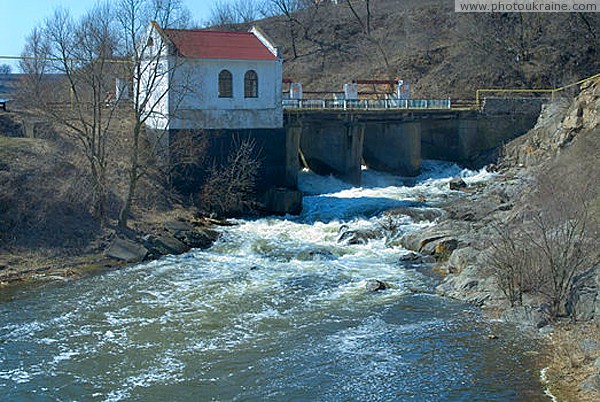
334, 147
393, 147
292, 166
469, 139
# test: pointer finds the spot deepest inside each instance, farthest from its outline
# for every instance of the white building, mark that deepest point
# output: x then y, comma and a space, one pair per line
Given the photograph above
212, 80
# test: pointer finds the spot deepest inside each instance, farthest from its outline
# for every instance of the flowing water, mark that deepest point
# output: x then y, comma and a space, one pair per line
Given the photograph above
276, 310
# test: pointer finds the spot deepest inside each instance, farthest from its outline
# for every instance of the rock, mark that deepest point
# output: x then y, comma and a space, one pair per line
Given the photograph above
546, 330
201, 239
470, 286
315, 255
589, 346
525, 317
375, 285
429, 244
164, 244
444, 248
584, 303
126, 250
457, 184
461, 258
176, 227
597, 364
411, 259
591, 384
417, 214
357, 236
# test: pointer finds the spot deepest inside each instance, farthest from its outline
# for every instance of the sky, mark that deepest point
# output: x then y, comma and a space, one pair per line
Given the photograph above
19, 17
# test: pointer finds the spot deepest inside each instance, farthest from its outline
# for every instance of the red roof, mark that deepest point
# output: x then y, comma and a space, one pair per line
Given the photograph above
202, 44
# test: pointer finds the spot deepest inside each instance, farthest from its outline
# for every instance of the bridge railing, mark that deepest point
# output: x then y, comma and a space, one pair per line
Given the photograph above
366, 104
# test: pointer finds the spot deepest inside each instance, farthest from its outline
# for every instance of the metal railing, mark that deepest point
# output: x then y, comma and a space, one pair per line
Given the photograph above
366, 104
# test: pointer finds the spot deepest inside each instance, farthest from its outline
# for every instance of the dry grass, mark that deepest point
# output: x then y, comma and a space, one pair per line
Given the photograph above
440, 52
573, 361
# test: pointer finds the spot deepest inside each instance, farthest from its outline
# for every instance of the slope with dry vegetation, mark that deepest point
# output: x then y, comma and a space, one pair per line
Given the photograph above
440, 52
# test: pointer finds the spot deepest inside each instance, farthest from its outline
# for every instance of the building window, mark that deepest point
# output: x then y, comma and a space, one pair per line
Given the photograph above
251, 84
225, 84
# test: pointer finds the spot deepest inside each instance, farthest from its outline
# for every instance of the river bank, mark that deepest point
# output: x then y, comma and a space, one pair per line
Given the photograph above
149, 237
529, 236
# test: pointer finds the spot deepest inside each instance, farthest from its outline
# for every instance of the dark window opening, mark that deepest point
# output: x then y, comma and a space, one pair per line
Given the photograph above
225, 84
251, 84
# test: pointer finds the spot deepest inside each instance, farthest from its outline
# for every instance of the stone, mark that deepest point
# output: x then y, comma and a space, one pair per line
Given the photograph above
444, 248
461, 258
357, 236
126, 250
165, 244
375, 285
525, 317
546, 330
584, 303
202, 239
412, 258
591, 384
457, 184
597, 364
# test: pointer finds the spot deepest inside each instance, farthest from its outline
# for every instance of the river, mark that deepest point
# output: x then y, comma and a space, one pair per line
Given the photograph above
276, 310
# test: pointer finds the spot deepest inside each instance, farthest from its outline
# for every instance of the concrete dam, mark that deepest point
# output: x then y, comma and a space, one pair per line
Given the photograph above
338, 142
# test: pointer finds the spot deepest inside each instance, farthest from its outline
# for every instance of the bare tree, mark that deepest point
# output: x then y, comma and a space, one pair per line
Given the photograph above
230, 189
552, 245
34, 64
153, 77
225, 13
365, 24
510, 263
5, 69
90, 54
80, 51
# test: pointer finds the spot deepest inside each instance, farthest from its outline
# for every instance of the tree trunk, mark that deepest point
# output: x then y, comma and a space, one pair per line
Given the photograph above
133, 179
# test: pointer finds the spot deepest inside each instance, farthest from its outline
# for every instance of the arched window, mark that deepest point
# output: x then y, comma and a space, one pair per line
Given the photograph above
225, 84
251, 84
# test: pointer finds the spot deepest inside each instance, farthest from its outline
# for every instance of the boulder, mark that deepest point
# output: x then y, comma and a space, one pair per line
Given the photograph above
461, 258
524, 316
191, 236
584, 303
164, 244
201, 239
411, 259
126, 250
591, 384
597, 364
457, 184
357, 236
375, 285
444, 248
471, 286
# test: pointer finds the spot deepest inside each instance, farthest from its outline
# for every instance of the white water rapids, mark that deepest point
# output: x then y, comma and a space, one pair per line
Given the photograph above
276, 310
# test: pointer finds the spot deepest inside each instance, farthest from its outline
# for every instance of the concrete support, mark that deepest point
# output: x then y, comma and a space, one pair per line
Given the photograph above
292, 165
334, 147
393, 147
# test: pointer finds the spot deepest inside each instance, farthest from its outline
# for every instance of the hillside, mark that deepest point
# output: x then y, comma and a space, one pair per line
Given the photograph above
440, 52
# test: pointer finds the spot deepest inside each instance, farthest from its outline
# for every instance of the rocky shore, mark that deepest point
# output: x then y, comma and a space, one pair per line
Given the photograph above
147, 240
561, 148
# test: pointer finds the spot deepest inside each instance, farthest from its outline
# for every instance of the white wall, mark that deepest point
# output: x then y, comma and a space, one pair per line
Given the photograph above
202, 108
193, 101
154, 83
